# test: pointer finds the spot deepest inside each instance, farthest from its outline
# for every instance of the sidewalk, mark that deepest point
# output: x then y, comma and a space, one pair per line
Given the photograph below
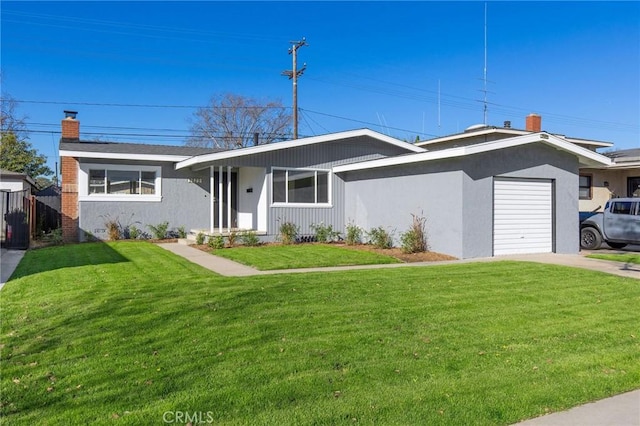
9, 260
619, 410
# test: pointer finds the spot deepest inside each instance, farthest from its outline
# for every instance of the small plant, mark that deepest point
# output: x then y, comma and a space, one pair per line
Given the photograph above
216, 242
354, 234
249, 238
113, 229
415, 239
134, 232
54, 237
232, 237
200, 238
380, 238
159, 231
288, 232
182, 232
324, 233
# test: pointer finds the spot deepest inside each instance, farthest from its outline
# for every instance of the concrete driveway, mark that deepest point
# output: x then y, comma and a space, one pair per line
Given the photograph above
9, 260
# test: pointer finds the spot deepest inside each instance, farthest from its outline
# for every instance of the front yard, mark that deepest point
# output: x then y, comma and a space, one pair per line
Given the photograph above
127, 332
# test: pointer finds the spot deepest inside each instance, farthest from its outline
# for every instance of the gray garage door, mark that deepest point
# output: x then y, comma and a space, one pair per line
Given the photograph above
522, 216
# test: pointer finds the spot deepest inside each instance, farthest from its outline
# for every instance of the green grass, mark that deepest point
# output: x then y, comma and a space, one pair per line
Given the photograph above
274, 257
626, 257
95, 332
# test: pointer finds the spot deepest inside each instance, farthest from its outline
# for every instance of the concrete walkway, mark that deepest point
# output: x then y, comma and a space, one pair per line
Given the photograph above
229, 268
619, 410
9, 260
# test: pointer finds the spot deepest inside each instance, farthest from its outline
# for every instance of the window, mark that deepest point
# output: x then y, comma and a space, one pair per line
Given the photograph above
621, 207
300, 186
585, 187
110, 182
121, 182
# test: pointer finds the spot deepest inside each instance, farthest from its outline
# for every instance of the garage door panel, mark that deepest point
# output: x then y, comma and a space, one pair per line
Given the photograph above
522, 216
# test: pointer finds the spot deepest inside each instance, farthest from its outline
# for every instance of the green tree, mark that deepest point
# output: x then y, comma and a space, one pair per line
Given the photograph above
16, 152
18, 156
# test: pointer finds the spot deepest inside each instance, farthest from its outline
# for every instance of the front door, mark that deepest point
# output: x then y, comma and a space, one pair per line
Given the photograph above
223, 199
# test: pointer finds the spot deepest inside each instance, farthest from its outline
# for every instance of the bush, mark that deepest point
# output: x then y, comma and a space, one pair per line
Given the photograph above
200, 238
288, 232
415, 239
324, 233
232, 238
159, 231
182, 232
113, 229
216, 242
249, 238
134, 232
380, 238
354, 234
53, 237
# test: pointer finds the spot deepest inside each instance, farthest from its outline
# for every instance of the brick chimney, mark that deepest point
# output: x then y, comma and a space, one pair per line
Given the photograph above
69, 172
534, 123
70, 126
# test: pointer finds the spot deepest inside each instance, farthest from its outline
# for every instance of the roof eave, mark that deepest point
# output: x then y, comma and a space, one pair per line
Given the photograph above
202, 160
122, 156
585, 156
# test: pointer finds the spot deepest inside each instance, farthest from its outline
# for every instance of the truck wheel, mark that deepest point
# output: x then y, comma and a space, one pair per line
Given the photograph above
590, 239
616, 245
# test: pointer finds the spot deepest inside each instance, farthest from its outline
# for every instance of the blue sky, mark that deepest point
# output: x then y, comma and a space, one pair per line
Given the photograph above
405, 69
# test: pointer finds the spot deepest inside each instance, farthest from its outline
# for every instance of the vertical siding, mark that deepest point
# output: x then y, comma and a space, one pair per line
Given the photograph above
320, 156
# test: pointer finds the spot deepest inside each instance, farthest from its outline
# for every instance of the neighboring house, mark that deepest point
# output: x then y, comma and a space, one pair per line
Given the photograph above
620, 179
512, 195
14, 181
596, 184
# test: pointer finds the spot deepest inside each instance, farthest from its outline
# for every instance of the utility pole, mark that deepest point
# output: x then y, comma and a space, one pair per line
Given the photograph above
293, 75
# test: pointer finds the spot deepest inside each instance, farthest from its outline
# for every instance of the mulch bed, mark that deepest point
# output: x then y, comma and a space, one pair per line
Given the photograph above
427, 256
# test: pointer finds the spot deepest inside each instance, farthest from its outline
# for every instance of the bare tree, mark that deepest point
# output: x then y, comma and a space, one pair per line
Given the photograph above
10, 121
231, 121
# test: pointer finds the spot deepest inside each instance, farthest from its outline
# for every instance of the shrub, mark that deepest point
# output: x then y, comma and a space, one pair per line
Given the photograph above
113, 229
182, 232
216, 242
200, 238
232, 238
249, 238
415, 239
380, 238
288, 232
134, 232
159, 231
324, 233
54, 237
354, 234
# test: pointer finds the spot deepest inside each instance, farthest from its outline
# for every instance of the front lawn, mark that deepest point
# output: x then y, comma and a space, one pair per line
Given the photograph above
128, 332
623, 257
277, 256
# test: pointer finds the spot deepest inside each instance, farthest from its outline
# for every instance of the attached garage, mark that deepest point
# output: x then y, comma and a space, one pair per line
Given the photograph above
522, 216
510, 196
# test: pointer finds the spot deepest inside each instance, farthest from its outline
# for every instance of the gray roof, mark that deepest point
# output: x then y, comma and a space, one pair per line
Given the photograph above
8, 174
624, 153
133, 148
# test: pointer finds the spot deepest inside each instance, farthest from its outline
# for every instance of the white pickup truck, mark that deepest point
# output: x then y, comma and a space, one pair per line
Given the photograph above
618, 225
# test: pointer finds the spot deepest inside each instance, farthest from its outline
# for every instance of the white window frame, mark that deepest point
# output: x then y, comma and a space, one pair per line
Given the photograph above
315, 204
83, 183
